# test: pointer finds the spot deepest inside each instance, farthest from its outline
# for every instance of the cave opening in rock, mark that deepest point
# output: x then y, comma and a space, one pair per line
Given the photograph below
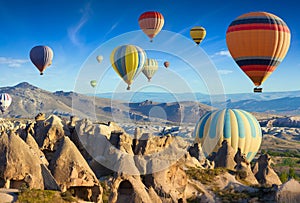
125, 188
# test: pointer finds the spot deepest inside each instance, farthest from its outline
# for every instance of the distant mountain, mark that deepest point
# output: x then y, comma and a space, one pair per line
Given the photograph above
285, 103
285, 106
161, 97
29, 100
195, 96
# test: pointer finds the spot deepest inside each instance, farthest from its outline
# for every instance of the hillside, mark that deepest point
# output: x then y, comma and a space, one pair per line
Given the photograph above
29, 100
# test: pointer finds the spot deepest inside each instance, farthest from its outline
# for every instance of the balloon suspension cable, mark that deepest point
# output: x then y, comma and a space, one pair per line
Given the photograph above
128, 88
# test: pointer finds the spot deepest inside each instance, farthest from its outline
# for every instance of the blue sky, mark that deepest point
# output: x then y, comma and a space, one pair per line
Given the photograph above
77, 31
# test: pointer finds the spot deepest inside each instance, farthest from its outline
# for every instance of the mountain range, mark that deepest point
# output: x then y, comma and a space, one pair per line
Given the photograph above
29, 100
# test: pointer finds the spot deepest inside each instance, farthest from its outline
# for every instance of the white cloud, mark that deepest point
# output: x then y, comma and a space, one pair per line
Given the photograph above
11, 62
224, 72
73, 31
222, 53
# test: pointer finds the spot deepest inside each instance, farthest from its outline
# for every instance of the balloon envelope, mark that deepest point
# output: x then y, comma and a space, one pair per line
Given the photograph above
258, 42
151, 22
5, 101
166, 64
150, 68
238, 127
41, 57
99, 58
93, 83
128, 61
198, 33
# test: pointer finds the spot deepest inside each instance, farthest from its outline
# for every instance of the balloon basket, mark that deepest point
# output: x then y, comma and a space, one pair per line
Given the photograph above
257, 90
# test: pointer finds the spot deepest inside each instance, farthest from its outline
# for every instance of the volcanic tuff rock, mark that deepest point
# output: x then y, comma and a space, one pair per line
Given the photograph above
18, 164
131, 189
264, 172
71, 171
142, 167
289, 192
243, 168
225, 156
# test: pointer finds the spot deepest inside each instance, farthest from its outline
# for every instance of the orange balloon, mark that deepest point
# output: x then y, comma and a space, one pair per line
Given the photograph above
258, 42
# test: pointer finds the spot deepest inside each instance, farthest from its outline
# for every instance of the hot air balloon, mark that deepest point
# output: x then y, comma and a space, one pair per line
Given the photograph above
5, 101
41, 57
198, 33
258, 42
93, 83
99, 58
166, 64
128, 61
238, 127
150, 68
151, 22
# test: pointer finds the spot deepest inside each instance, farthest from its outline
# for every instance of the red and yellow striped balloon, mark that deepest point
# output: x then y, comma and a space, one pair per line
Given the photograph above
258, 42
151, 22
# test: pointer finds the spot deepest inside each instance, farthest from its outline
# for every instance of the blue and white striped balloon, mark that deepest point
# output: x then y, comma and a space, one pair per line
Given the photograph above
238, 127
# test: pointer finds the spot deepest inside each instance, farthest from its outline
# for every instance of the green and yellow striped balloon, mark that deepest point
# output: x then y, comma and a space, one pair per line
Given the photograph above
238, 127
150, 68
128, 61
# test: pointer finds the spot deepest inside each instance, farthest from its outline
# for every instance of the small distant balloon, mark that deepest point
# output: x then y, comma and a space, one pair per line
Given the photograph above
93, 83
198, 33
150, 68
166, 64
151, 22
5, 101
41, 57
99, 58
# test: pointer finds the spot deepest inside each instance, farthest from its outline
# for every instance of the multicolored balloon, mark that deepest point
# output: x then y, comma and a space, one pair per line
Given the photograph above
128, 62
41, 57
258, 42
198, 33
151, 22
166, 64
150, 68
93, 83
238, 127
5, 101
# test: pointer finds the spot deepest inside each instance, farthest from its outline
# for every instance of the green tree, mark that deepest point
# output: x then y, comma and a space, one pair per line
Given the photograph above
283, 177
292, 173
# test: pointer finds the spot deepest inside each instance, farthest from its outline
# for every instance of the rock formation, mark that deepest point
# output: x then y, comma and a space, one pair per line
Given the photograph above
225, 156
243, 168
72, 172
18, 165
131, 189
289, 192
47, 132
53, 153
264, 172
